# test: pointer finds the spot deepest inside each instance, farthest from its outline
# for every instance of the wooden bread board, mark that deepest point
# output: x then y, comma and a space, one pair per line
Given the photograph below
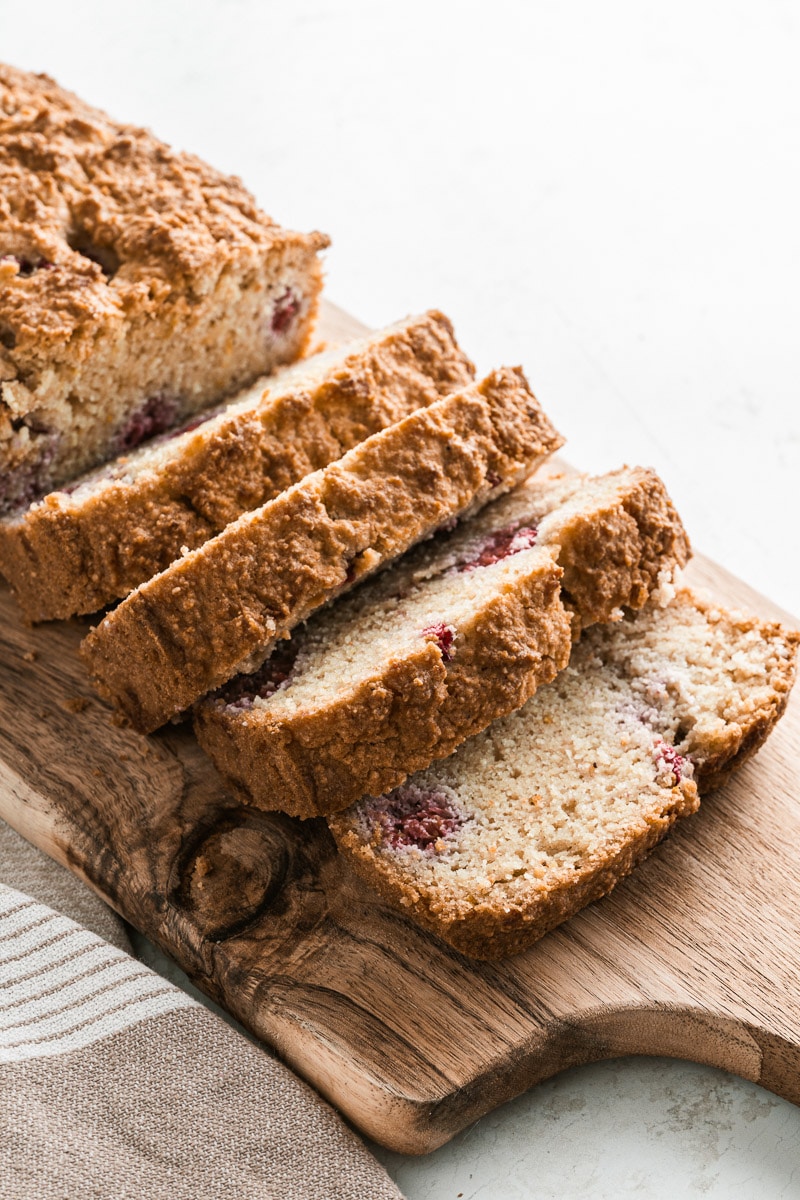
697, 955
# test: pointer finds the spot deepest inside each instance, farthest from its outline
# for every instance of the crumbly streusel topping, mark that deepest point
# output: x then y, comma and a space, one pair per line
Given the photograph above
100, 220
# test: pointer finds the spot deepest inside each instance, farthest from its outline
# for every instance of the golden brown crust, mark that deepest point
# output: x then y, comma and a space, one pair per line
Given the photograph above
487, 933
75, 554
613, 556
219, 610
370, 739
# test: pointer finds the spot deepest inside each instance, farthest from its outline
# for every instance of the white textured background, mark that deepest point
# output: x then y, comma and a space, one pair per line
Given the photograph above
608, 192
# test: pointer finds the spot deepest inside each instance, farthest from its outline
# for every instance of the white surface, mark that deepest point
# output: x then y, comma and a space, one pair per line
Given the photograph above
608, 193
631, 1128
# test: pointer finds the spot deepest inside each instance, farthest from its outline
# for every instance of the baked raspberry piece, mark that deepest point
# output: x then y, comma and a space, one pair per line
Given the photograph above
26, 484
414, 816
155, 416
444, 637
284, 311
669, 762
501, 544
271, 676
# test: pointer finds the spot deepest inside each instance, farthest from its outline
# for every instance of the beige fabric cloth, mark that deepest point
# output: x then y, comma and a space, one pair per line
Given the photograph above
115, 1083
25, 868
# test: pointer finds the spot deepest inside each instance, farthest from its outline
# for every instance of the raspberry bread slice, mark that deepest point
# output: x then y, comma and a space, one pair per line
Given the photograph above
83, 547
460, 632
221, 608
550, 807
137, 286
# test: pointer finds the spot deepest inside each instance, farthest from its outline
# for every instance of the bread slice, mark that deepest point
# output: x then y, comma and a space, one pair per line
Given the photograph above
137, 287
550, 807
87, 545
461, 631
220, 610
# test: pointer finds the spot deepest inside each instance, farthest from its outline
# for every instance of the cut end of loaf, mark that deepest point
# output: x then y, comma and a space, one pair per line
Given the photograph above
137, 287
148, 375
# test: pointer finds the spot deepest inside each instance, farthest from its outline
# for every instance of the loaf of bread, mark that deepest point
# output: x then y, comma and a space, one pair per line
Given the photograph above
83, 547
458, 633
137, 287
221, 609
550, 807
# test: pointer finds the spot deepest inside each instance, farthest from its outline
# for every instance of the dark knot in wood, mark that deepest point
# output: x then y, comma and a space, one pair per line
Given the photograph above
228, 874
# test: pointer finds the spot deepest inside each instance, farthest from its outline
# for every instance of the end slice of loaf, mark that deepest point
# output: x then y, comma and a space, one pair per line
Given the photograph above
460, 632
137, 286
221, 609
550, 807
82, 548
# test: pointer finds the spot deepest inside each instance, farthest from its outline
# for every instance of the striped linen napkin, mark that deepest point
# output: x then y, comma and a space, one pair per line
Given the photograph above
115, 1083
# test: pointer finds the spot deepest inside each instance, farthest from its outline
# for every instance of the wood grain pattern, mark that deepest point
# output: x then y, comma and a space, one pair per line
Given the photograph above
697, 955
